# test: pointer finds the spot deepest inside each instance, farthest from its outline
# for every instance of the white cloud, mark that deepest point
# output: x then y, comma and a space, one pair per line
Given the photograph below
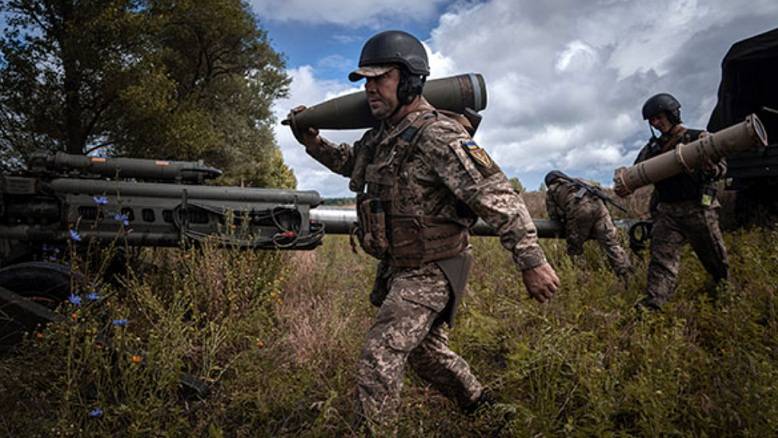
347, 39
346, 12
566, 79
577, 57
336, 62
440, 65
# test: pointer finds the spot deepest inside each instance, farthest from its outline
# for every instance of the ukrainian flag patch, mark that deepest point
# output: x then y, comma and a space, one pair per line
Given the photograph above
477, 154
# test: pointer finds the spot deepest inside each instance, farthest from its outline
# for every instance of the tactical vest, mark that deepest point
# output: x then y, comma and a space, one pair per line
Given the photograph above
681, 187
410, 241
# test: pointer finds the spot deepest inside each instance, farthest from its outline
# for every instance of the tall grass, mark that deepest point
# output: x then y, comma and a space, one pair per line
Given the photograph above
276, 337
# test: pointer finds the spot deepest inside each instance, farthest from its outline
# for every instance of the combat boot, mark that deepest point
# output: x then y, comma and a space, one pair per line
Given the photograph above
626, 276
623, 281
645, 307
490, 413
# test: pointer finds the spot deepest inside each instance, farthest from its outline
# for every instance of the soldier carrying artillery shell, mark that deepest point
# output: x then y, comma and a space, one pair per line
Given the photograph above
421, 182
684, 206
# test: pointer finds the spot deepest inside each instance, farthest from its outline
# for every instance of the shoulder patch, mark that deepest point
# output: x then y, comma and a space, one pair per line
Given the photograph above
483, 161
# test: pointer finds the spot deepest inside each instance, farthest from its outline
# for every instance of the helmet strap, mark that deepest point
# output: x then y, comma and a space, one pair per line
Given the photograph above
651, 128
674, 117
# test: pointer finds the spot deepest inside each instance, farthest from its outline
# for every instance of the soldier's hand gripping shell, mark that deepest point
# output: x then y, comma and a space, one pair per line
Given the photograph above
618, 186
541, 282
308, 137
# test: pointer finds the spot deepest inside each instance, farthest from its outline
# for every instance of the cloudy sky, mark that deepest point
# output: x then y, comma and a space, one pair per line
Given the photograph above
566, 78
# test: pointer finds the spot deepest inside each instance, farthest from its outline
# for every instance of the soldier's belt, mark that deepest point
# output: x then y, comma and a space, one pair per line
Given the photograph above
417, 240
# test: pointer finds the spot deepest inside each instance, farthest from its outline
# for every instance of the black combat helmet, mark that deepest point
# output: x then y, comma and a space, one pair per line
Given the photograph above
555, 175
663, 102
392, 48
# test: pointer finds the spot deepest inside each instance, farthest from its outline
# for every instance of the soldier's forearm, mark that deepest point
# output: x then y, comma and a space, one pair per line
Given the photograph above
337, 157
528, 254
522, 242
504, 209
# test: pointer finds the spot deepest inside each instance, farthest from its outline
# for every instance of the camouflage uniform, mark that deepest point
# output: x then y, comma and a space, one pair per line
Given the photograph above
426, 169
684, 208
585, 217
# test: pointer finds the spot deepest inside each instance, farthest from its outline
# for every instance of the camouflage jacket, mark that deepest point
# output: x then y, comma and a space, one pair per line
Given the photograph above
562, 198
446, 175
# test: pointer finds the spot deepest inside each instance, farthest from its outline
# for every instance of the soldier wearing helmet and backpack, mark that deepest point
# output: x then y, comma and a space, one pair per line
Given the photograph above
684, 207
421, 182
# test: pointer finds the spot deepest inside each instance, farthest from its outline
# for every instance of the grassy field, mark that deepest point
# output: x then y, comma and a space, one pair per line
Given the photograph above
276, 337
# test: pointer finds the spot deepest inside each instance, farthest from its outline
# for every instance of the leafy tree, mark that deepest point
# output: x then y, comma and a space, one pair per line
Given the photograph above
517, 186
172, 79
211, 97
64, 64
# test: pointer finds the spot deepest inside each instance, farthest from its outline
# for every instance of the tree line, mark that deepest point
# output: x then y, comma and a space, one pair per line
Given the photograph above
168, 79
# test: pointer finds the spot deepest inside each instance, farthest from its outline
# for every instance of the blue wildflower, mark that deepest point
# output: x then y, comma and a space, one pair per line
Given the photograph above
92, 296
119, 322
74, 299
96, 413
100, 200
74, 236
121, 217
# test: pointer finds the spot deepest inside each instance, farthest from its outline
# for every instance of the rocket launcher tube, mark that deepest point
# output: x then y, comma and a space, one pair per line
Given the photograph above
749, 134
455, 94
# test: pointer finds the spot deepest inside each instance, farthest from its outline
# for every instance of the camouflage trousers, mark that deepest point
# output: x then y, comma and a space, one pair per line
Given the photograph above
675, 224
589, 219
408, 329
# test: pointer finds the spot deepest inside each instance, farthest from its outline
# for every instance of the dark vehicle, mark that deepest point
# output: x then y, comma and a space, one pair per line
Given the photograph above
749, 84
66, 201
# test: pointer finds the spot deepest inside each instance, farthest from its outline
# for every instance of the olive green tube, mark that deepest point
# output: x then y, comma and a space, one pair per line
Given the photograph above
749, 134
71, 186
162, 170
455, 93
342, 220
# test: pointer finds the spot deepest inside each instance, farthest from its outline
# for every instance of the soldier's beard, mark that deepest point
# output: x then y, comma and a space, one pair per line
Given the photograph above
380, 107
381, 112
